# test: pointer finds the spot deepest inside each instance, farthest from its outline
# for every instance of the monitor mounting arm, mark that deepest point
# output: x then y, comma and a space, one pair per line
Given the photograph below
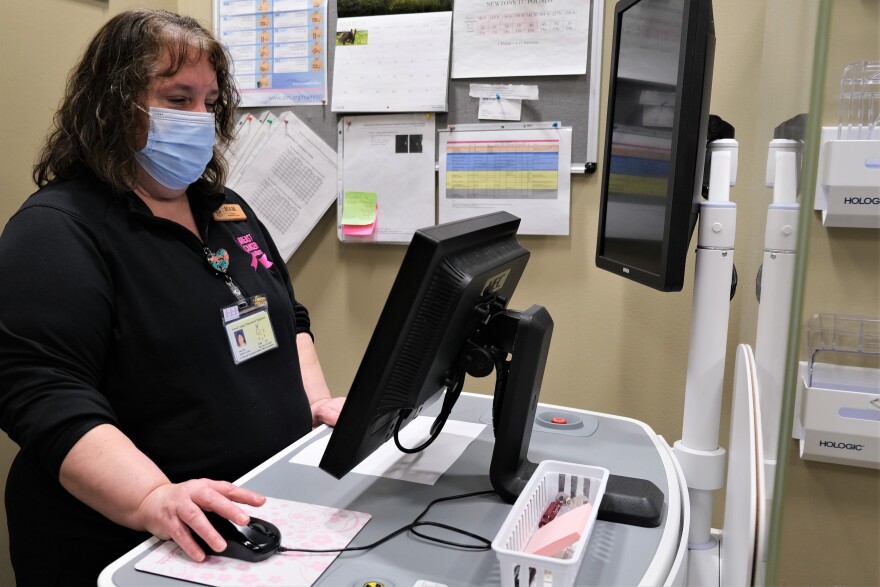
525, 336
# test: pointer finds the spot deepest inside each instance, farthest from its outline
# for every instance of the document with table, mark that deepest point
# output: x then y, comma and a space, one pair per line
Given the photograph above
521, 168
288, 175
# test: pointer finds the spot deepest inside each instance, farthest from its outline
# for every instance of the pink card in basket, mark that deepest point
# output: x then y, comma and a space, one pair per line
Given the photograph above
562, 532
302, 525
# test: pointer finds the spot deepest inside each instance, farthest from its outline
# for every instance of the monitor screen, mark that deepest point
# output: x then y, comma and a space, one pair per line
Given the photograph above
661, 72
446, 315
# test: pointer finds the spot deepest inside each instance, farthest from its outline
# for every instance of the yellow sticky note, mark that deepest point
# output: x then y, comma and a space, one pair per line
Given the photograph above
359, 208
361, 229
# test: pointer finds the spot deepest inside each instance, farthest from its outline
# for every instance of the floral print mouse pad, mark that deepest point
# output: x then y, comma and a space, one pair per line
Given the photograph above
302, 525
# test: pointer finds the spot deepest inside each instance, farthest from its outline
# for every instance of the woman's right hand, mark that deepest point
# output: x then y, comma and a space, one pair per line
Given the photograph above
171, 510
107, 472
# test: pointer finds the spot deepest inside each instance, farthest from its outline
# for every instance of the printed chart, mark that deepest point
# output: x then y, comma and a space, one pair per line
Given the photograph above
278, 49
523, 169
502, 169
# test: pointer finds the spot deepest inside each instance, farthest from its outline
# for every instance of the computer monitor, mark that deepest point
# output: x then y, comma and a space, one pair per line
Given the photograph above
446, 316
658, 108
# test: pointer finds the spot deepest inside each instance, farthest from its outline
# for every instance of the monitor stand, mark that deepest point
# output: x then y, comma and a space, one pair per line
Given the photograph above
525, 336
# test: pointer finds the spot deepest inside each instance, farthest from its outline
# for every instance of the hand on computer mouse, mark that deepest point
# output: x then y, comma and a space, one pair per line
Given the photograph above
175, 511
252, 542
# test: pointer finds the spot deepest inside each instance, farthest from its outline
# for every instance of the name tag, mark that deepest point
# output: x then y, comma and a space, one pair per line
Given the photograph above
249, 329
229, 212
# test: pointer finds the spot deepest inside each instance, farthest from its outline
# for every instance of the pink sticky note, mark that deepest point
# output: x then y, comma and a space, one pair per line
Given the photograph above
565, 530
355, 229
361, 229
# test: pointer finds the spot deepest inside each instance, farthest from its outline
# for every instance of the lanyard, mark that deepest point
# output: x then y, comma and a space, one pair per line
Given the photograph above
219, 262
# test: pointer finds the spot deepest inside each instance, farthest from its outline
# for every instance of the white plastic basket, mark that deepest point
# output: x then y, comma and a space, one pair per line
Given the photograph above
519, 569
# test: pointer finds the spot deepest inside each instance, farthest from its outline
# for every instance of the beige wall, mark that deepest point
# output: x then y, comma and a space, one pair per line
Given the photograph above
831, 523
618, 347
36, 53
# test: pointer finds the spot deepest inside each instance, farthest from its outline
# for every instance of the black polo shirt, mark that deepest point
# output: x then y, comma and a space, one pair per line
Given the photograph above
109, 314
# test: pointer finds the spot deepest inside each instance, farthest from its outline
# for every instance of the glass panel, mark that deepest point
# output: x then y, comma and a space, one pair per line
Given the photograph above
820, 13
823, 519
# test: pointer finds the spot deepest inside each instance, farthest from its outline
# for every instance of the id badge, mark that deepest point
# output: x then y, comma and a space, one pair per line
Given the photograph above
249, 329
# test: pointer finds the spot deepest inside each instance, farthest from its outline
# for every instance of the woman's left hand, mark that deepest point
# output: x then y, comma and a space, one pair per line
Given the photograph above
326, 411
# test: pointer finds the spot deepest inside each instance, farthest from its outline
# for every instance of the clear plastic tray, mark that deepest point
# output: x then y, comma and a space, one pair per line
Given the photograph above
837, 336
520, 569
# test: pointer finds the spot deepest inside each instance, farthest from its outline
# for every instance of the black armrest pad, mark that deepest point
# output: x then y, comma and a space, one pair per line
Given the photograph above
632, 501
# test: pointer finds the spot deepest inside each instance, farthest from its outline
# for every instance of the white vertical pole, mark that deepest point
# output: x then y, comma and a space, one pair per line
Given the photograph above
777, 277
698, 452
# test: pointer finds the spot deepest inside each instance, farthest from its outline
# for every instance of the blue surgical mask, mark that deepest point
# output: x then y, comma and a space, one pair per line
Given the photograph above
180, 145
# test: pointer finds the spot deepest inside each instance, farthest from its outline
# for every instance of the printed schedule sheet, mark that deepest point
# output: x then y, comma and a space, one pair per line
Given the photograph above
278, 49
519, 38
523, 170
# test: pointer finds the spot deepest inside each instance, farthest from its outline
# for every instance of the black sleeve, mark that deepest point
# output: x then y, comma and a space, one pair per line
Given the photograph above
55, 326
303, 322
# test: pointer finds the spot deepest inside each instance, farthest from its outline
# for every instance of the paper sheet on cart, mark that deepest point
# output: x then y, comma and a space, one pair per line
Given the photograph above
423, 467
506, 39
290, 182
313, 526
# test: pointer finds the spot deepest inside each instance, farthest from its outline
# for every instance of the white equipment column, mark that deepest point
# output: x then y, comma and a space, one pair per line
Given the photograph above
777, 277
698, 452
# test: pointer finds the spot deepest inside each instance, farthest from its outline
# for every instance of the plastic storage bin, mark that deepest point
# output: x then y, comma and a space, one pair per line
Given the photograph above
837, 406
519, 569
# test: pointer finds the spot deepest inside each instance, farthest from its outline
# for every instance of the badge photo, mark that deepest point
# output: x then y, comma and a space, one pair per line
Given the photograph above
249, 329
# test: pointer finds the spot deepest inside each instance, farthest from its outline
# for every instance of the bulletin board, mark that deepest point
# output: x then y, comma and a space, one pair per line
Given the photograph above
571, 100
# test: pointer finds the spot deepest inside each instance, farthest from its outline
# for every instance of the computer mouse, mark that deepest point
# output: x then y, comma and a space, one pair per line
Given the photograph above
256, 541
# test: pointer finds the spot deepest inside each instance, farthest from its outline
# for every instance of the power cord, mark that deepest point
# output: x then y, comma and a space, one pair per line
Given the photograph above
481, 543
453, 390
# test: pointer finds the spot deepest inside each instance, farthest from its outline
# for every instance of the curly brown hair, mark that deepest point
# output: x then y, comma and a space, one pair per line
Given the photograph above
96, 124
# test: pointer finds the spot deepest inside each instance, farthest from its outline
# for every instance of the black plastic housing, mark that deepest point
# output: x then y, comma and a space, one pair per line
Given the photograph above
653, 169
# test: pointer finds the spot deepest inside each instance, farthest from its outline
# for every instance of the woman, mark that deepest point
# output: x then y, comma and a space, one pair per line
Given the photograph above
125, 276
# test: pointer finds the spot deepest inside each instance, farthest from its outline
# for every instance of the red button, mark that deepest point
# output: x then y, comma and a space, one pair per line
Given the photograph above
558, 420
